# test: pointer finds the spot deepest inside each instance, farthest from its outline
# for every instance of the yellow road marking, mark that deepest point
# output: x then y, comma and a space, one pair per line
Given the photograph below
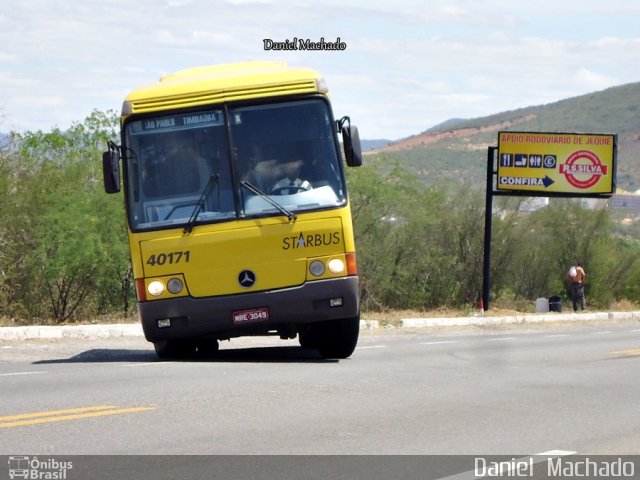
65, 415
627, 353
57, 412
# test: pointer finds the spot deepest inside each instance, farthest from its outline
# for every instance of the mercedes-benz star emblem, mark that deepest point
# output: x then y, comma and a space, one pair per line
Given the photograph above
247, 278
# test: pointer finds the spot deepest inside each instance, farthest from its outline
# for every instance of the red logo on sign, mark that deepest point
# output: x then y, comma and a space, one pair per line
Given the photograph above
586, 166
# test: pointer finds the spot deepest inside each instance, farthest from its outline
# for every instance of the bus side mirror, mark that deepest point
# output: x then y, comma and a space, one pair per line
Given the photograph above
351, 142
111, 169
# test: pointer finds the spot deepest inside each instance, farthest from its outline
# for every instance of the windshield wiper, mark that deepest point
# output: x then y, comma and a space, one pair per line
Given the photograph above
253, 189
213, 181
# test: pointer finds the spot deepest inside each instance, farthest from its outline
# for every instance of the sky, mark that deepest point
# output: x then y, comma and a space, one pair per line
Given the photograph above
407, 65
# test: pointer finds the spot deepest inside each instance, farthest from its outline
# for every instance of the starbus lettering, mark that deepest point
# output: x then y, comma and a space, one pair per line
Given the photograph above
310, 240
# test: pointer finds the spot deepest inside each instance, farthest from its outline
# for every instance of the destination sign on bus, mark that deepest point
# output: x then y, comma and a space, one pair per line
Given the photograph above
178, 122
557, 163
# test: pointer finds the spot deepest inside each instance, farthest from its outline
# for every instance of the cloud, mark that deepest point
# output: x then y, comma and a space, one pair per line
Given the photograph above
593, 81
248, 2
7, 57
194, 39
9, 82
39, 101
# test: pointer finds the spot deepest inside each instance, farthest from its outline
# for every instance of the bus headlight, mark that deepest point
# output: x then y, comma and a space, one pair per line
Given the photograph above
316, 268
174, 285
336, 265
155, 288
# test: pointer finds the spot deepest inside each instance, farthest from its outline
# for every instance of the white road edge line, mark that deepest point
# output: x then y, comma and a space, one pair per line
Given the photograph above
371, 346
145, 364
13, 374
557, 453
439, 343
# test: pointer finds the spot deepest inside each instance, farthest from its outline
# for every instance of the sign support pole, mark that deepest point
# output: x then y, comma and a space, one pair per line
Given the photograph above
486, 266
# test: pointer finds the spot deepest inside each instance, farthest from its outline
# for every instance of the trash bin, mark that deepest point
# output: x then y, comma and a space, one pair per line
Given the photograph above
555, 304
542, 305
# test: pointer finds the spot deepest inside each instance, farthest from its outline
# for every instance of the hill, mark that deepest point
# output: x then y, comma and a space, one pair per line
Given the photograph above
456, 150
374, 144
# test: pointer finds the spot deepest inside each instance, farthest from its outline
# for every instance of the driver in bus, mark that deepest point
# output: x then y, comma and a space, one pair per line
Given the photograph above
291, 183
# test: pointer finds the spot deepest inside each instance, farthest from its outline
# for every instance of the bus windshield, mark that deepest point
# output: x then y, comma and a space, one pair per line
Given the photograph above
266, 159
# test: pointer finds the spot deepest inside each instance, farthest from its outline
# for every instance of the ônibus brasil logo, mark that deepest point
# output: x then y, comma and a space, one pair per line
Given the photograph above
32, 468
583, 169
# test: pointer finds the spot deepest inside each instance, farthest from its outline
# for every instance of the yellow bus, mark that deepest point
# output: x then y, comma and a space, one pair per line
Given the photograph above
238, 216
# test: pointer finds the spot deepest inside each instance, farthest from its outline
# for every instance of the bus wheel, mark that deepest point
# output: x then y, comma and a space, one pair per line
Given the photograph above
337, 338
173, 349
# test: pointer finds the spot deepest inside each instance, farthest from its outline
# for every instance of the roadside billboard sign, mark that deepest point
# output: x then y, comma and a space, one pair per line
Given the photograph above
548, 164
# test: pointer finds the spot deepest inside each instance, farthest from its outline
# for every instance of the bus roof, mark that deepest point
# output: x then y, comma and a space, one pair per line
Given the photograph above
222, 83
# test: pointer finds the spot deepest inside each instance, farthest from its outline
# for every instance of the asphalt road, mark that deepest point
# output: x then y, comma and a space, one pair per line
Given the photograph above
493, 392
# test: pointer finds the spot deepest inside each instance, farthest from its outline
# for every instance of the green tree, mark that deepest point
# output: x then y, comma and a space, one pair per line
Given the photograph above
66, 241
377, 209
422, 247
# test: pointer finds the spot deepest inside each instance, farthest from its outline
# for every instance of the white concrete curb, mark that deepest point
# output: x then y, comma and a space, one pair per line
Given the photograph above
70, 331
135, 330
528, 318
369, 324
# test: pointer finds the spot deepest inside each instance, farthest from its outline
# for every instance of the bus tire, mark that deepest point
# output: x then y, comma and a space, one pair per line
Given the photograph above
338, 338
173, 349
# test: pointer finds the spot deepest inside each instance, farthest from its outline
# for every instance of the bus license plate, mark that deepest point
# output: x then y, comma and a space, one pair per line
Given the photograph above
249, 316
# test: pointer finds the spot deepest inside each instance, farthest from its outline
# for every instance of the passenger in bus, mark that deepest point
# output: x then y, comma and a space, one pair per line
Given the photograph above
176, 169
151, 183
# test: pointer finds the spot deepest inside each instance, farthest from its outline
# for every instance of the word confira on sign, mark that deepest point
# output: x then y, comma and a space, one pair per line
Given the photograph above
545, 164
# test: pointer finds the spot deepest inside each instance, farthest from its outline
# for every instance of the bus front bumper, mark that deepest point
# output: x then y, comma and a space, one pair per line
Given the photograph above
244, 314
